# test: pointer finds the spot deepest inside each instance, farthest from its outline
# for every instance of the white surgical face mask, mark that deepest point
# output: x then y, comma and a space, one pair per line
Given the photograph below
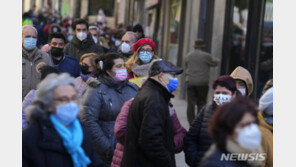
95, 39
243, 91
81, 36
125, 48
220, 99
249, 137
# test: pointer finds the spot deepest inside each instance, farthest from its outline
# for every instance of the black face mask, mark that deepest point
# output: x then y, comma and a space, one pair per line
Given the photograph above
84, 69
57, 52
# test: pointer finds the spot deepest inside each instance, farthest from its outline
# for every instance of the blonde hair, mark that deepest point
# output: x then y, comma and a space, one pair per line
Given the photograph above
134, 60
92, 57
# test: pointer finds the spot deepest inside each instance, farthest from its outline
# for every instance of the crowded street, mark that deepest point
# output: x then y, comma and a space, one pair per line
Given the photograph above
134, 83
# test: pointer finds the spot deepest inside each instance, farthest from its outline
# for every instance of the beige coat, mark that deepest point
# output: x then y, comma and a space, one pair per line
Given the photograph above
30, 77
197, 64
243, 74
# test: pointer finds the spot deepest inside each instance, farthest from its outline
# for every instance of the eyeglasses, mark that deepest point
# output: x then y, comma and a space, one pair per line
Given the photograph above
64, 100
146, 50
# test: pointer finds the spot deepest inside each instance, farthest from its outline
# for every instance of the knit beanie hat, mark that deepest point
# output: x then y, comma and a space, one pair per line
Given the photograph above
266, 106
144, 41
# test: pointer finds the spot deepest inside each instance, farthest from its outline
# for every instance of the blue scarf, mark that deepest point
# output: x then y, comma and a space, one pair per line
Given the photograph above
72, 139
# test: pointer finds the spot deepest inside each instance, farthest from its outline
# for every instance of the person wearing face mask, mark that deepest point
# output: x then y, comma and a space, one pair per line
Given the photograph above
94, 31
138, 64
149, 139
55, 136
88, 68
235, 131
243, 80
265, 117
127, 42
101, 103
62, 62
31, 56
197, 140
82, 41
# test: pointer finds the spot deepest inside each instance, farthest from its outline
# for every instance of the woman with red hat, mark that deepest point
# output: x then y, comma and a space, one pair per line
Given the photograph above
144, 53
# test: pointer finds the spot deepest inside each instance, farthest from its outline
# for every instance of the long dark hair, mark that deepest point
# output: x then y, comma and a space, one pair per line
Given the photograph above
227, 116
108, 62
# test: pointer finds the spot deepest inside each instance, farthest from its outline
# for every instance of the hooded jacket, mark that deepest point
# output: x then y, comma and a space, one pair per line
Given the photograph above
243, 74
100, 107
30, 77
77, 48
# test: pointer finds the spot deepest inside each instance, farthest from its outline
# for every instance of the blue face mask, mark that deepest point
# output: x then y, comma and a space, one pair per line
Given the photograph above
30, 43
67, 113
145, 57
69, 38
172, 86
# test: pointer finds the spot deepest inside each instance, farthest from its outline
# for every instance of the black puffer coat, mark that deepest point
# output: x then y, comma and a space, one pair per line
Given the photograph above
197, 141
43, 146
149, 140
100, 107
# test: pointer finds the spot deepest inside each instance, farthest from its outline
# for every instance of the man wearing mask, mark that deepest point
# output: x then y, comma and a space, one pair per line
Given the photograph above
150, 139
127, 42
82, 41
62, 62
31, 56
197, 141
94, 31
197, 66
243, 80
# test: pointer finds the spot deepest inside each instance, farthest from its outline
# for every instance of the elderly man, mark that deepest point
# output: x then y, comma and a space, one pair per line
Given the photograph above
127, 42
82, 41
150, 140
31, 56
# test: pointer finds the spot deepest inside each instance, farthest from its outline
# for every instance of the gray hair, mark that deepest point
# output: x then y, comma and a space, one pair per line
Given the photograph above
43, 102
28, 26
134, 35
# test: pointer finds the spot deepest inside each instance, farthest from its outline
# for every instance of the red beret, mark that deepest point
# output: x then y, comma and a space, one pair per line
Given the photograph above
144, 41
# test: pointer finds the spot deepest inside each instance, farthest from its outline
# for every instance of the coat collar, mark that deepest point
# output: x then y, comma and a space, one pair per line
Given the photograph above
82, 44
30, 55
162, 90
233, 147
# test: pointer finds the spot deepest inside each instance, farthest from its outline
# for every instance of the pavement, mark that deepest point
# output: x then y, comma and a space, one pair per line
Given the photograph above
180, 107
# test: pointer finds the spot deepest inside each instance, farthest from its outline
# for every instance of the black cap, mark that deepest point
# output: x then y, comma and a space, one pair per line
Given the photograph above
164, 66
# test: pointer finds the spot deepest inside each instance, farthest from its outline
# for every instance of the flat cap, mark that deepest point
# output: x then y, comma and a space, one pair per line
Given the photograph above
159, 65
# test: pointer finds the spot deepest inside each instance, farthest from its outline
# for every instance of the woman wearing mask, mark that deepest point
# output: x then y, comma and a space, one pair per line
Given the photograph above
197, 140
55, 137
138, 64
243, 80
235, 131
88, 68
102, 103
